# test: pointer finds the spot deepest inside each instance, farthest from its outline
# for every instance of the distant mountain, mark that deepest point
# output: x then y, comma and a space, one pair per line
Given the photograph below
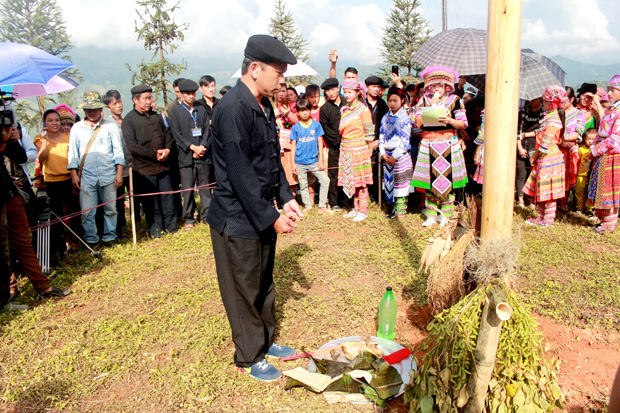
579, 72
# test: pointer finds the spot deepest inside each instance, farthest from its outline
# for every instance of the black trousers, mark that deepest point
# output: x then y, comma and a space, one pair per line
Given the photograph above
333, 195
524, 167
158, 209
203, 173
245, 277
377, 178
5, 260
61, 196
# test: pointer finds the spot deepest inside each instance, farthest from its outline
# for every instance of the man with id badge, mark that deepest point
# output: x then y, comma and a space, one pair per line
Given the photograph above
189, 126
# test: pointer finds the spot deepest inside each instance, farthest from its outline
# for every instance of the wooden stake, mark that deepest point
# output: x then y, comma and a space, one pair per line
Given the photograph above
501, 106
496, 311
131, 207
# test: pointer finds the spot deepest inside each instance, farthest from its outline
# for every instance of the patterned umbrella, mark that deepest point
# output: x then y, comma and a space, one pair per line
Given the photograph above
463, 50
537, 73
57, 84
21, 63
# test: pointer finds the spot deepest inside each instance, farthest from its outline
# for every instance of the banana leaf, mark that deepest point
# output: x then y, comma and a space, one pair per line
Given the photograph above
346, 384
363, 361
385, 379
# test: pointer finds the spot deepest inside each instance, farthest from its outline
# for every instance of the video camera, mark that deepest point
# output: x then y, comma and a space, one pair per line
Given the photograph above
7, 113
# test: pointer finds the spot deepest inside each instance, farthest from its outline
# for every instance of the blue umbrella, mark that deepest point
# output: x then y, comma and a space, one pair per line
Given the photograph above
21, 63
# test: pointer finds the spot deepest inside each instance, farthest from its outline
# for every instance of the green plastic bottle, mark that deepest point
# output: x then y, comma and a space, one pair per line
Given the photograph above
387, 315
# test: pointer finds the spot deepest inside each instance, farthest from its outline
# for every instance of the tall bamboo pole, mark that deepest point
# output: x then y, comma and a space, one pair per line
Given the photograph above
501, 106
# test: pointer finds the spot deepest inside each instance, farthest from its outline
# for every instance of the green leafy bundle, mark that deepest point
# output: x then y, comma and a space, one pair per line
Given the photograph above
523, 380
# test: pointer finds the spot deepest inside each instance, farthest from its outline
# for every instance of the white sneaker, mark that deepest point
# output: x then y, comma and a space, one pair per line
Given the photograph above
430, 221
351, 214
443, 222
360, 217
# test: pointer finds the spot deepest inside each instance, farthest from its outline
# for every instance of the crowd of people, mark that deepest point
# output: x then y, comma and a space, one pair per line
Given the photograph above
421, 147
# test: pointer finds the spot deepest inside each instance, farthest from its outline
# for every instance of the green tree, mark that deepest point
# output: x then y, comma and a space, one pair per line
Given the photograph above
284, 29
38, 23
405, 31
160, 34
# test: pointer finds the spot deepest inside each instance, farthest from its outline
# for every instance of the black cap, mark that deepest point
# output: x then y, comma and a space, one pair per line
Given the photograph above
587, 87
268, 49
188, 85
140, 89
384, 84
330, 83
373, 80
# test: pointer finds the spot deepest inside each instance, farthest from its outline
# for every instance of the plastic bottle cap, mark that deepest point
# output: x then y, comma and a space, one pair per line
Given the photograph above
389, 289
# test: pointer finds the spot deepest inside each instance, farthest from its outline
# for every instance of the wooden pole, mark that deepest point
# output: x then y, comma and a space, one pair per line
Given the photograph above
132, 208
501, 106
496, 311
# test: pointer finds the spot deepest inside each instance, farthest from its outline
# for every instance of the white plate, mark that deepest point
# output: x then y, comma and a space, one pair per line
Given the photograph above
388, 347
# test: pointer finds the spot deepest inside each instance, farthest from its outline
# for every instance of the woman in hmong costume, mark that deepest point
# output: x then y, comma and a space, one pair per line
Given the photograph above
585, 103
394, 146
604, 186
479, 155
358, 132
546, 182
285, 119
575, 127
440, 166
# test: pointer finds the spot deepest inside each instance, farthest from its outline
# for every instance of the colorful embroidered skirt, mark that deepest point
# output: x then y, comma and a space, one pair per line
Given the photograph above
547, 180
354, 168
440, 166
604, 187
478, 175
397, 178
287, 157
571, 162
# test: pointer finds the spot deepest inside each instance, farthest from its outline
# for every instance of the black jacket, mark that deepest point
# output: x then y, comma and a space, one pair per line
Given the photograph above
181, 125
248, 171
329, 117
15, 152
144, 135
378, 112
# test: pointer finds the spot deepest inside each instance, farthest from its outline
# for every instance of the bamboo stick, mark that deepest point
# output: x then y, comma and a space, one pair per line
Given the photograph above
132, 208
486, 347
501, 105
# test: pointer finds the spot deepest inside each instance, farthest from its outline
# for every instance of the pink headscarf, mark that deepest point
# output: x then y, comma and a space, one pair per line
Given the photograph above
556, 96
434, 75
352, 84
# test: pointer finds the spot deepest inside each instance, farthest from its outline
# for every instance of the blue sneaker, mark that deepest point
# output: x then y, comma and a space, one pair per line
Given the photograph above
262, 371
278, 351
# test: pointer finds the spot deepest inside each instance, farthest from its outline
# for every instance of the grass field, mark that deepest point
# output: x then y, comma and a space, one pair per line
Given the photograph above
145, 330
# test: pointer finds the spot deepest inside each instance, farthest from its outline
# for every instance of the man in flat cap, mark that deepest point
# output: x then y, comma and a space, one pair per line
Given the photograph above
189, 126
149, 141
96, 163
243, 216
329, 117
379, 108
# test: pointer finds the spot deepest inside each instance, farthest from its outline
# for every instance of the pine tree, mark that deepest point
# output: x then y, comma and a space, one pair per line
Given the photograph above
406, 30
38, 23
160, 33
284, 29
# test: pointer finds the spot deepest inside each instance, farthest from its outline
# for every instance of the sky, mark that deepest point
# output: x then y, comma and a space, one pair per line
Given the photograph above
583, 30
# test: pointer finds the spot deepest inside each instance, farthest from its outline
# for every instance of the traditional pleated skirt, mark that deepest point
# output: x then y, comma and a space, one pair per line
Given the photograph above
397, 178
548, 177
571, 162
287, 157
478, 175
604, 187
354, 168
440, 166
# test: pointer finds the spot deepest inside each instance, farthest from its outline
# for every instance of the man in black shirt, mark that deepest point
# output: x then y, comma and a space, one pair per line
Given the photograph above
149, 142
243, 218
529, 120
329, 117
378, 108
189, 126
207, 87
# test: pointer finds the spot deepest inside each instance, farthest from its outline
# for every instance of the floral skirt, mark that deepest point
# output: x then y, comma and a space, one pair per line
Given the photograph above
571, 162
548, 177
604, 187
354, 168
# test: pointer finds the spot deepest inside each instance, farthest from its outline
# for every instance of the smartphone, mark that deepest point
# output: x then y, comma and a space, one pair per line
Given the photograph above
395, 70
